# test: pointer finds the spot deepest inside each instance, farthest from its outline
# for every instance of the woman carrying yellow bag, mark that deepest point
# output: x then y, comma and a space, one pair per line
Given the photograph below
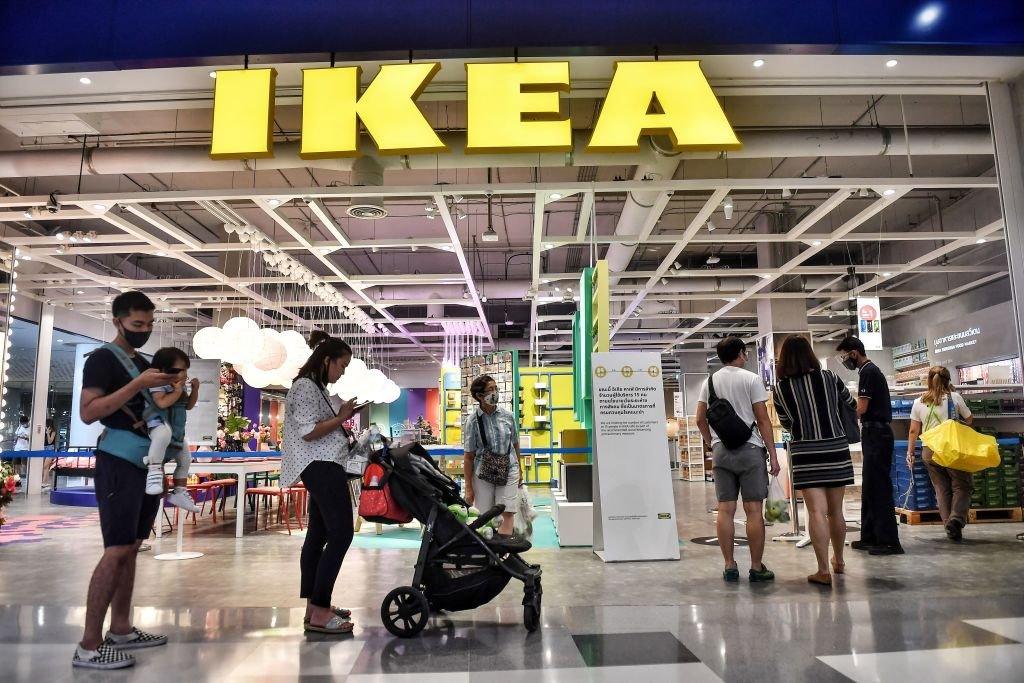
952, 487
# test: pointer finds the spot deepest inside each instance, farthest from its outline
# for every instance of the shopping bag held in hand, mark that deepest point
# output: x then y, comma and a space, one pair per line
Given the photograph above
958, 447
776, 508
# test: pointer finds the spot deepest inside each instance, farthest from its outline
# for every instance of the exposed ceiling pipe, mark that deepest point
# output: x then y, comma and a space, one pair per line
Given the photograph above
813, 142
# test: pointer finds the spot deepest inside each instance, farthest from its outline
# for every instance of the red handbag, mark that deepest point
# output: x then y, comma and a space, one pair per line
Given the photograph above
375, 501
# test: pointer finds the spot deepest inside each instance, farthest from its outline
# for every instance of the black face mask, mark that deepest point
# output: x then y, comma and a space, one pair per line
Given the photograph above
850, 364
135, 339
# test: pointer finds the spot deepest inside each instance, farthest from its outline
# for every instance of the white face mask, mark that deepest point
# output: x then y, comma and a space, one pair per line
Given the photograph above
491, 399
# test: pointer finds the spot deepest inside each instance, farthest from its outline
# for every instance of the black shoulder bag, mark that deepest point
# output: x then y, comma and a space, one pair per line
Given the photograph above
493, 466
731, 430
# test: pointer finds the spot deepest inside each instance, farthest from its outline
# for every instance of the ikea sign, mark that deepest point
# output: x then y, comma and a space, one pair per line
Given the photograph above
511, 107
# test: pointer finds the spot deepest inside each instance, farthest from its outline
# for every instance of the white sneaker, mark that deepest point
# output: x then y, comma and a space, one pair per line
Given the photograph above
155, 480
180, 498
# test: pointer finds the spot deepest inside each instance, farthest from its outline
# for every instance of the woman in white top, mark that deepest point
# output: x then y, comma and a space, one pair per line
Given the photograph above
315, 447
952, 487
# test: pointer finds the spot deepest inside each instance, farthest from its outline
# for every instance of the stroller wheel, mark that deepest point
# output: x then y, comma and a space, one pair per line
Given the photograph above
405, 611
531, 615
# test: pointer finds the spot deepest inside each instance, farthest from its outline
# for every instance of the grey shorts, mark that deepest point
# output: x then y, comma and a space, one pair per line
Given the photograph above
742, 470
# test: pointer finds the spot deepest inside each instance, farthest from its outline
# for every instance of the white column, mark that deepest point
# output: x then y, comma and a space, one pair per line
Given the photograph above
40, 395
1004, 121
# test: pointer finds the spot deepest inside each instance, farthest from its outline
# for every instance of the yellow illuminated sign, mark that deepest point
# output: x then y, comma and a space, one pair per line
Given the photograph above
661, 98
243, 114
331, 106
516, 107
511, 107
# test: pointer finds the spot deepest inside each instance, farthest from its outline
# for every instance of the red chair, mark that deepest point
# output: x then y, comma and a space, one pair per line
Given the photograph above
290, 501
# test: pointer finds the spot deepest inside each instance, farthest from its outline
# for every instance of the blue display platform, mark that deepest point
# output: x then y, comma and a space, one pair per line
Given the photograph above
76, 496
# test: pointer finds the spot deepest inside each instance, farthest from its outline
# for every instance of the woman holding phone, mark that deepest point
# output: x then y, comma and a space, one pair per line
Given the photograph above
315, 448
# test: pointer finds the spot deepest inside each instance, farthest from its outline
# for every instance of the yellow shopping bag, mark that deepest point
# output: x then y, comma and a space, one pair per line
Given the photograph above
958, 447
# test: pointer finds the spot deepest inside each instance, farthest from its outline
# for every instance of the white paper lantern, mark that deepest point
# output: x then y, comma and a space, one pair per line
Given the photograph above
346, 388
356, 368
391, 393
254, 377
241, 324
272, 353
296, 346
206, 342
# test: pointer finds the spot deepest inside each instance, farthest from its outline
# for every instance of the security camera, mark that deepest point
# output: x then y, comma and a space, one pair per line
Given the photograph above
52, 205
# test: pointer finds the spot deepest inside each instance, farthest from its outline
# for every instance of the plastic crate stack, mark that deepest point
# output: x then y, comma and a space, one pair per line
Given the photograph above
912, 488
1000, 487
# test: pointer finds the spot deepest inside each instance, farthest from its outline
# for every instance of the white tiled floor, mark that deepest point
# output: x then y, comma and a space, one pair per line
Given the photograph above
988, 664
1008, 628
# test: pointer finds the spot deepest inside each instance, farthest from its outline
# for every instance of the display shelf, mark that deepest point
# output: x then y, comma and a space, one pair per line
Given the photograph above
693, 467
540, 402
540, 386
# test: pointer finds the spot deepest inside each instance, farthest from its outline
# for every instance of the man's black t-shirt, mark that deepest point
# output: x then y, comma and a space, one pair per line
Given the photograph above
875, 388
104, 372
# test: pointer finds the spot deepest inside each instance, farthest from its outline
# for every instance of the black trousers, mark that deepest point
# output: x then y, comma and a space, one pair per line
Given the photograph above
877, 513
329, 532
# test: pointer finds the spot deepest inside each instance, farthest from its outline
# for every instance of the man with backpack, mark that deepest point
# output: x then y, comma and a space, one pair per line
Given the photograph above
732, 415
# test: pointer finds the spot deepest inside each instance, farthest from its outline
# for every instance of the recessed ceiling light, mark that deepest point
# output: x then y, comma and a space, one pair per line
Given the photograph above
60, 341
80, 291
27, 257
980, 240
273, 202
886, 274
213, 74
85, 80
928, 16
731, 300
888, 193
892, 62
758, 63
766, 276
161, 253
556, 195
816, 243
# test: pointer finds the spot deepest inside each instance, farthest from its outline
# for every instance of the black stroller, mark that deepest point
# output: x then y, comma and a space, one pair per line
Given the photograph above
457, 568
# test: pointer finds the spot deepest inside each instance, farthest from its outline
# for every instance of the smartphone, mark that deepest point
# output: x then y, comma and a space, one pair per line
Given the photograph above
360, 406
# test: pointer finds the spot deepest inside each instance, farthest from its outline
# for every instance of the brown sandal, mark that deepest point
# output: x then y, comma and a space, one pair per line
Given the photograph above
820, 579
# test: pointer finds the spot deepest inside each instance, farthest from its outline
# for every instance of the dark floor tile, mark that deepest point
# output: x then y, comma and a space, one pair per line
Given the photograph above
632, 649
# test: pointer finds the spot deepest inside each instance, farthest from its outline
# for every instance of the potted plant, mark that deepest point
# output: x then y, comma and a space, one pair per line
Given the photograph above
8, 483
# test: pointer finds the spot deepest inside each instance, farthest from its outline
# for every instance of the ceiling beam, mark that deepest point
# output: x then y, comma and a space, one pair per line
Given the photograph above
460, 255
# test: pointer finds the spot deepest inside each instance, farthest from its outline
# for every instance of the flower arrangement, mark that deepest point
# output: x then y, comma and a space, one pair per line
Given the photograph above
236, 432
8, 483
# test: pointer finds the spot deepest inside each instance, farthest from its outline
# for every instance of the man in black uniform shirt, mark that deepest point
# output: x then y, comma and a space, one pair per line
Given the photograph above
879, 533
109, 394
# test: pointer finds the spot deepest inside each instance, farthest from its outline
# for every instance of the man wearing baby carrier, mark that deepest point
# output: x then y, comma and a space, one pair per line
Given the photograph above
113, 393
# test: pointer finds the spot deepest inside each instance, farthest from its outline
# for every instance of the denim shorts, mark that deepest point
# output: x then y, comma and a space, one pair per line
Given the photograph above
743, 470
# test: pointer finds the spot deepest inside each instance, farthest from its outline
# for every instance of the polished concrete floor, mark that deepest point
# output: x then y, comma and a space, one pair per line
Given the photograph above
941, 612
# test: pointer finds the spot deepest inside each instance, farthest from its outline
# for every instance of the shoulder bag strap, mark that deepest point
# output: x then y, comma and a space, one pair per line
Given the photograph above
951, 408
133, 372
928, 420
323, 395
711, 389
482, 430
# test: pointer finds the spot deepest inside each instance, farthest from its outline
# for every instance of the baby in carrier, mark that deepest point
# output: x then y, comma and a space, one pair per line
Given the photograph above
165, 419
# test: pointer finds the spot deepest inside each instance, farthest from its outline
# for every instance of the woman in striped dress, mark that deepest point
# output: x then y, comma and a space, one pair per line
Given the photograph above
808, 400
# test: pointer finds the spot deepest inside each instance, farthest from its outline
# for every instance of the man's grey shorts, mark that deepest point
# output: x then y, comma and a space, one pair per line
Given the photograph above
742, 470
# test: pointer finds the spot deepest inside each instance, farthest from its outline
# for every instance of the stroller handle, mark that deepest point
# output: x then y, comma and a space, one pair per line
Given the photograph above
487, 517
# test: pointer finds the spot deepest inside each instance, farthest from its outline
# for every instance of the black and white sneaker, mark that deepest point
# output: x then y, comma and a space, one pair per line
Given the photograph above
103, 657
135, 640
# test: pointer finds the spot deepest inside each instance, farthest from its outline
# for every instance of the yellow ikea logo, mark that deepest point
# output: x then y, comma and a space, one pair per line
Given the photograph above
511, 107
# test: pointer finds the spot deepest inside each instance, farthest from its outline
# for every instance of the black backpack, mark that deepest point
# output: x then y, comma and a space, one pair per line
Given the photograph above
731, 430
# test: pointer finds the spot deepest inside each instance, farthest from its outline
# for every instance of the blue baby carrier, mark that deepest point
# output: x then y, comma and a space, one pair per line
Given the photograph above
130, 444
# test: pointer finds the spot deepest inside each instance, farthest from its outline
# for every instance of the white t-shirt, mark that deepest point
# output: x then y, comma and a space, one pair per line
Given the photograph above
921, 411
21, 438
742, 388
